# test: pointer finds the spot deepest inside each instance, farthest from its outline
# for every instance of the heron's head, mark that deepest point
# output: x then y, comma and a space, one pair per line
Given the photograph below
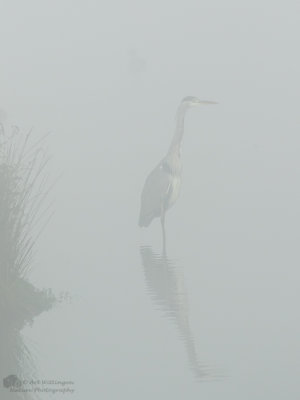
191, 101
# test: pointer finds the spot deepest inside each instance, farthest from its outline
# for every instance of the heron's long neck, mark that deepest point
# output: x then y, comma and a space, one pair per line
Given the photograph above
177, 138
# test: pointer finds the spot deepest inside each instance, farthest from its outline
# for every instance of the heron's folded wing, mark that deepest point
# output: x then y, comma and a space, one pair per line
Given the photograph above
154, 193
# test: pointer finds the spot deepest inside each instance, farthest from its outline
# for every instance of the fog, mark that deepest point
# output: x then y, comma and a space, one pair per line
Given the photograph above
213, 314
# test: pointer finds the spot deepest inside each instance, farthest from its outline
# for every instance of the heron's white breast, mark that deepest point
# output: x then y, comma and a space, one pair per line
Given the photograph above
175, 190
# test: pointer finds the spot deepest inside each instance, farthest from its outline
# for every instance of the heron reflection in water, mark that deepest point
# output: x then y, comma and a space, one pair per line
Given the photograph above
162, 185
165, 283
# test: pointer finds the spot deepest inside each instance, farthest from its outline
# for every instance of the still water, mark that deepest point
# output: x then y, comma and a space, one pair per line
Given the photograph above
213, 315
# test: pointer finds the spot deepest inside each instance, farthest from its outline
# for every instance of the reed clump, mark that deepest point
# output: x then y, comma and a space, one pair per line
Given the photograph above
23, 213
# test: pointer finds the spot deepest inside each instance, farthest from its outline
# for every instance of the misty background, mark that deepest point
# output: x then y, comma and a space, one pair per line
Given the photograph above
106, 80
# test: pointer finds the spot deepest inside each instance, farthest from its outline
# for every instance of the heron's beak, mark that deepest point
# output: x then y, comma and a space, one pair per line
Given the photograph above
200, 102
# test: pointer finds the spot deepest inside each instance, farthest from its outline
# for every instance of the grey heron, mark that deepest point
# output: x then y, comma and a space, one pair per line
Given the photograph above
162, 186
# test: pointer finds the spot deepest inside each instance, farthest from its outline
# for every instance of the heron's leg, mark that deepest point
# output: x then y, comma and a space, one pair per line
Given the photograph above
164, 249
162, 220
